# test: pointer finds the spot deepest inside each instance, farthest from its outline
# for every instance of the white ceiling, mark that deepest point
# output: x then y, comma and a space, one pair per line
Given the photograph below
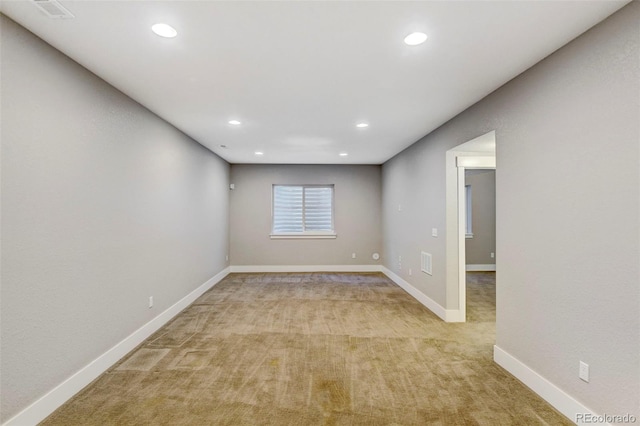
300, 75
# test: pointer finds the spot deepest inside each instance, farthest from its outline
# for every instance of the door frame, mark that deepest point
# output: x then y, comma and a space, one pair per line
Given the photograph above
463, 164
478, 153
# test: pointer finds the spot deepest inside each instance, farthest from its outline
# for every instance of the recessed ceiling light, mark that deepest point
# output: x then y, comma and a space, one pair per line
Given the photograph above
343, 154
164, 30
414, 39
235, 122
259, 153
362, 125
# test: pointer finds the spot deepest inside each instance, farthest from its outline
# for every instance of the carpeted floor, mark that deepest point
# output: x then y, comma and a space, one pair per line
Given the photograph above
313, 349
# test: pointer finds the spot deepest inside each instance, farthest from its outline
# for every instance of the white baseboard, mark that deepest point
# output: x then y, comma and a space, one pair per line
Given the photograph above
432, 305
454, 315
481, 268
47, 404
555, 396
305, 268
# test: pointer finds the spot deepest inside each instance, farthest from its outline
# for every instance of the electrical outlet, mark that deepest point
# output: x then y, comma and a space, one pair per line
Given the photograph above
434, 232
226, 258
150, 302
584, 371
399, 207
410, 272
493, 255
353, 255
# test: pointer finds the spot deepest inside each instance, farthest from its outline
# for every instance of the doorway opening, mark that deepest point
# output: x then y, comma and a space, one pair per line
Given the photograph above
476, 154
480, 244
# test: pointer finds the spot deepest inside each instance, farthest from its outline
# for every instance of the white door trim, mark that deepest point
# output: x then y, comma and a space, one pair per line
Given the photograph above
464, 163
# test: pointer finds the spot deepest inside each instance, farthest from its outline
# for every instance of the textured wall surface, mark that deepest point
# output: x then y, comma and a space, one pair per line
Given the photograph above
567, 214
357, 215
103, 205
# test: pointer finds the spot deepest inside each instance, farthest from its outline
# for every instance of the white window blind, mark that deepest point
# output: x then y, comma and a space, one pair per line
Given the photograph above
302, 209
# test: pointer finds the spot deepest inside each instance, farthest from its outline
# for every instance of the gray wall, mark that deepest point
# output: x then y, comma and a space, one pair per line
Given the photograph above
483, 204
103, 205
357, 215
567, 189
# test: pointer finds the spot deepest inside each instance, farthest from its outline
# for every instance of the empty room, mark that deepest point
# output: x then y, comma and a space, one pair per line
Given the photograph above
319, 212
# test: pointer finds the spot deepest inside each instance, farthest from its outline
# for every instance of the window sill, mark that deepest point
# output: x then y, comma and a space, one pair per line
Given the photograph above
302, 236
468, 235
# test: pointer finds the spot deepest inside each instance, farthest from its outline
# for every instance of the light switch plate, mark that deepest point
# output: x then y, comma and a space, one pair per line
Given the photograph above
584, 371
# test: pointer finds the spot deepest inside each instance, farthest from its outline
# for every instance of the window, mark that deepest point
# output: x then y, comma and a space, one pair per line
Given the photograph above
302, 211
469, 210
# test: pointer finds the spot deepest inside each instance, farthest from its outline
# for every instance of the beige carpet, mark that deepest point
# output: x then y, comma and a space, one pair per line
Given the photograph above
313, 349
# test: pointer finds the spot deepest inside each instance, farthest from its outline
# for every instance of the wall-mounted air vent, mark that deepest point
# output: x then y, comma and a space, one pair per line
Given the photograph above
425, 263
53, 9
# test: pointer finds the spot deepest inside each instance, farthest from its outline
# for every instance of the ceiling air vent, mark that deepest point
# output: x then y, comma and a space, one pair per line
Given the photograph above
53, 9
